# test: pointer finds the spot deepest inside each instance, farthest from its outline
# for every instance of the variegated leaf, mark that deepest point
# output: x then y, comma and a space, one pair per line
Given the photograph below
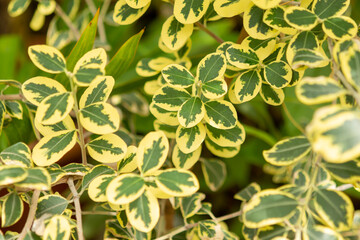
10, 174
175, 34
347, 172
54, 108
98, 91
342, 46
211, 67
226, 138
134, 102
51, 204
170, 98
17, 154
191, 205
190, 11
89, 67
125, 15
37, 89
340, 28
177, 182
318, 90
191, 112
230, 8
107, 148
243, 58
125, 188
309, 58
272, 96
190, 139
164, 116
300, 18
224, 152
12, 209
152, 152
14, 109
137, 3
220, 114
350, 65
275, 18
95, 172
47, 58
143, 68
335, 208
97, 187
178, 76
52, 148
248, 192
58, 228
320, 232
214, 89
185, 160
170, 131
159, 63
329, 8
66, 124
247, 86
37, 178
214, 173
262, 48
17, 7
269, 207
129, 162
303, 40
155, 190
76, 169
144, 212
255, 26
278, 74
100, 118
288, 151
36, 23
266, 4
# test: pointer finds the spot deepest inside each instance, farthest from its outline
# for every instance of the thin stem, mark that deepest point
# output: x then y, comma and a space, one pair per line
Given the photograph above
67, 20
205, 29
32, 120
259, 134
98, 213
101, 27
31, 215
192, 225
91, 6
292, 120
348, 86
80, 128
77, 208
12, 97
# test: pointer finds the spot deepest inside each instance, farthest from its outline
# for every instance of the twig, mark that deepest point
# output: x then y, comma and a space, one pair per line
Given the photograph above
98, 213
192, 225
12, 97
101, 27
259, 134
77, 208
292, 120
67, 20
213, 35
31, 215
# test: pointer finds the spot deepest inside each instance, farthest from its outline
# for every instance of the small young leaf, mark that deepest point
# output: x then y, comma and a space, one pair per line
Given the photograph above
125, 15
53, 147
185, 160
17, 7
100, 118
144, 212
190, 139
190, 11
12, 209
125, 188
248, 192
14, 109
37, 89
129, 162
190, 205
47, 58
287, 151
175, 34
177, 182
